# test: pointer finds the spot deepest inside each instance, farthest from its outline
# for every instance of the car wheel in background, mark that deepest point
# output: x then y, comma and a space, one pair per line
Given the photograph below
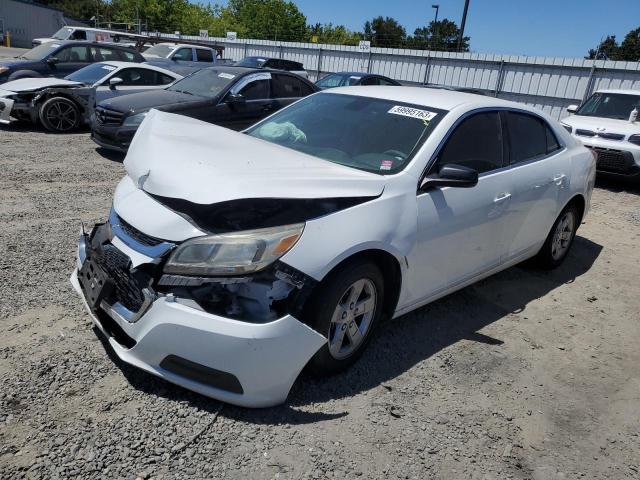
560, 238
346, 308
59, 114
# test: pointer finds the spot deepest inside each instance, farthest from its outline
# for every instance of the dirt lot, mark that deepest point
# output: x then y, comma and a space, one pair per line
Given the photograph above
527, 375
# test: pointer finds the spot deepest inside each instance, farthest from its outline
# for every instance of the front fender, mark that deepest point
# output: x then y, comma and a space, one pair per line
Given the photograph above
17, 75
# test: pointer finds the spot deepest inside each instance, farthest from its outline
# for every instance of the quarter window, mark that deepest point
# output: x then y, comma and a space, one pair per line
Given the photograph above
476, 143
285, 86
127, 56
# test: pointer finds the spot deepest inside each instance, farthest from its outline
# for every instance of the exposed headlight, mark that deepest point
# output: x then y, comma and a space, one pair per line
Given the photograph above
233, 253
3, 69
568, 128
134, 120
635, 139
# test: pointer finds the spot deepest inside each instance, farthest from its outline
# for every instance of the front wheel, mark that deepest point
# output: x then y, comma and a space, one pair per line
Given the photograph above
560, 238
59, 114
346, 308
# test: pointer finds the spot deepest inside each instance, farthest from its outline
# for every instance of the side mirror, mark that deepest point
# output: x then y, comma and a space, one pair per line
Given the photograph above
53, 60
235, 99
115, 81
451, 175
572, 108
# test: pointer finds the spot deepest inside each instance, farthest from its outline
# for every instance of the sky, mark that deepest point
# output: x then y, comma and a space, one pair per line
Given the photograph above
550, 28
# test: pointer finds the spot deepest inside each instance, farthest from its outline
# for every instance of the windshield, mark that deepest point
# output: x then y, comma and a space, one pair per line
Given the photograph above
253, 62
63, 33
41, 51
91, 73
610, 105
379, 136
162, 51
208, 82
338, 80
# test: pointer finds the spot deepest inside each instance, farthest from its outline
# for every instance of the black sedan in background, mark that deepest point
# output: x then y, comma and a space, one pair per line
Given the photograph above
59, 59
347, 79
232, 97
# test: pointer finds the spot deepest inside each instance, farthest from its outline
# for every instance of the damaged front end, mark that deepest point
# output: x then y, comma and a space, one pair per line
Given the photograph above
24, 106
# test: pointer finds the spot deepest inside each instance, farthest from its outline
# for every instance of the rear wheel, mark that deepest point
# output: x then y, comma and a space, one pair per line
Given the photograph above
346, 308
59, 114
560, 238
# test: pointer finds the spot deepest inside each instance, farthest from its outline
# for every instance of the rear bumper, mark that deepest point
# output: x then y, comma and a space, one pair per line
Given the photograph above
246, 364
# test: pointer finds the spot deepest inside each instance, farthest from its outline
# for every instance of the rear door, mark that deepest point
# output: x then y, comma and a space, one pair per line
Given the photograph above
539, 176
286, 89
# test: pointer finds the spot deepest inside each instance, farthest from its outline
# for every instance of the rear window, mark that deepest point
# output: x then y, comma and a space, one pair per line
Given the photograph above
529, 137
287, 86
204, 55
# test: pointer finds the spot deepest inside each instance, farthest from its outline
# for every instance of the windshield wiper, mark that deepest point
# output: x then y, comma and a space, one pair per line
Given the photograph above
183, 91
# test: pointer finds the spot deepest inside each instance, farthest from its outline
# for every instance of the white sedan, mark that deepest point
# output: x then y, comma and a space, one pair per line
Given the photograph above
62, 105
230, 261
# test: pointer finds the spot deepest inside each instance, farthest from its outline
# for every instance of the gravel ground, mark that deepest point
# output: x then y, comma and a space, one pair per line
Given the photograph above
526, 375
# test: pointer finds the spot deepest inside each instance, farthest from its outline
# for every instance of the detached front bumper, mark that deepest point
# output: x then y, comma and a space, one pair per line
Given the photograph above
246, 364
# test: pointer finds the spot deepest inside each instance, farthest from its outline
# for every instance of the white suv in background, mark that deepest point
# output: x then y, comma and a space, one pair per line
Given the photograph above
609, 123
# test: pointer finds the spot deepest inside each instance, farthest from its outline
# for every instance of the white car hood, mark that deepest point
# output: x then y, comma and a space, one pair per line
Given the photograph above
180, 157
609, 125
30, 84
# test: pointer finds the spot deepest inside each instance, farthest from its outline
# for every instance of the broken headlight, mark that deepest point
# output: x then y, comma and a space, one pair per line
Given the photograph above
234, 253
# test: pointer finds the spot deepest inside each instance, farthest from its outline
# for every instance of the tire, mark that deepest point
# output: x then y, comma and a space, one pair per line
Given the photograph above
59, 114
560, 238
347, 333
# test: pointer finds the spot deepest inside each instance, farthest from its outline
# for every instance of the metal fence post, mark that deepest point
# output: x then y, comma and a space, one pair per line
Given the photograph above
590, 82
280, 50
425, 80
319, 70
245, 49
369, 61
499, 79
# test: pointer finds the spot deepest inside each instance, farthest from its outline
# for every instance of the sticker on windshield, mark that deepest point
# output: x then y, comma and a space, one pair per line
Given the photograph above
226, 75
355, 77
386, 164
108, 67
424, 115
55, 45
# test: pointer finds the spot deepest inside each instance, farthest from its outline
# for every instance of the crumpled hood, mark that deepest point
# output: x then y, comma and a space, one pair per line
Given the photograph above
31, 84
610, 125
196, 161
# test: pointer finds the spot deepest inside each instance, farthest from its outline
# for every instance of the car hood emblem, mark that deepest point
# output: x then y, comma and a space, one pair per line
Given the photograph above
601, 129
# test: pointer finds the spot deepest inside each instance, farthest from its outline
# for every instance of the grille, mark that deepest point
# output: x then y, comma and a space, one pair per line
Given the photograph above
105, 116
585, 133
137, 235
611, 136
127, 288
612, 161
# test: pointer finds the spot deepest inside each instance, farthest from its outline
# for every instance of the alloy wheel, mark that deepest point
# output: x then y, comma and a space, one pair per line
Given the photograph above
62, 116
563, 235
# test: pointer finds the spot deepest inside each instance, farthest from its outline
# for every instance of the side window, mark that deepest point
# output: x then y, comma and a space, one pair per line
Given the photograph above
73, 54
286, 86
272, 63
137, 77
102, 54
292, 66
370, 81
475, 143
256, 90
79, 35
164, 79
384, 81
127, 56
527, 137
204, 55
183, 54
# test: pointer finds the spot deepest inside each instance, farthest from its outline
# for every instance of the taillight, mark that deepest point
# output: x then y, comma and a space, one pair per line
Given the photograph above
635, 139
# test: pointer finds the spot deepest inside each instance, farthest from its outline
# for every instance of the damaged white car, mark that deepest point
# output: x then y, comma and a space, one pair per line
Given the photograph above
230, 261
63, 105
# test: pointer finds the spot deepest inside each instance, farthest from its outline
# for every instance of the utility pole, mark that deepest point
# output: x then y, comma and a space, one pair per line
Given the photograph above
464, 20
435, 23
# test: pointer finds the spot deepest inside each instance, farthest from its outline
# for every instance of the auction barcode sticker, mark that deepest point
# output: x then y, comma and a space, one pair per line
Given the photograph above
412, 112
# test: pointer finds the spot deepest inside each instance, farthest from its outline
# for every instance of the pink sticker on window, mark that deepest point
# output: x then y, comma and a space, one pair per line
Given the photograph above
386, 164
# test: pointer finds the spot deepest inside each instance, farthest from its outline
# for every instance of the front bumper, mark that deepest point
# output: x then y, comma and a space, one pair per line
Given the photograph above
246, 364
112, 137
614, 158
6, 105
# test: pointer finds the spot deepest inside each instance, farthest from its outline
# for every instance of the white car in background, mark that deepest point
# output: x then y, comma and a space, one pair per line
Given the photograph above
230, 261
63, 105
609, 123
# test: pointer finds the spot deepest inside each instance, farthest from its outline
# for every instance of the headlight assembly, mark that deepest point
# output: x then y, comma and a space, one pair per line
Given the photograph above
635, 139
234, 253
568, 128
3, 69
134, 120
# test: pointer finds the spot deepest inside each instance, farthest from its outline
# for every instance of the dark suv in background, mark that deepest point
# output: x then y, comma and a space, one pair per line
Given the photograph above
275, 63
59, 59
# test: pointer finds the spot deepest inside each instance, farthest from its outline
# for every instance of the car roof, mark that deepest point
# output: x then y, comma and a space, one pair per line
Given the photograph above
181, 45
359, 74
88, 43
428, 97
622, 91
148, 66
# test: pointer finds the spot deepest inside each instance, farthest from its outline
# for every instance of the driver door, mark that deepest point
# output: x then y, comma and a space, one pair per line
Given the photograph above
252, 102
459, 230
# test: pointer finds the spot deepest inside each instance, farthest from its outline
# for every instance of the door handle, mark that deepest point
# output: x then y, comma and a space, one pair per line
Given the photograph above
559, 179
502, 197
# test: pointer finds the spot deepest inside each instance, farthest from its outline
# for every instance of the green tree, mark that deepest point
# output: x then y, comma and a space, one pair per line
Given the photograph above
630, 47
268, 19
338, 35
440, 35
385, 32
607, 49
